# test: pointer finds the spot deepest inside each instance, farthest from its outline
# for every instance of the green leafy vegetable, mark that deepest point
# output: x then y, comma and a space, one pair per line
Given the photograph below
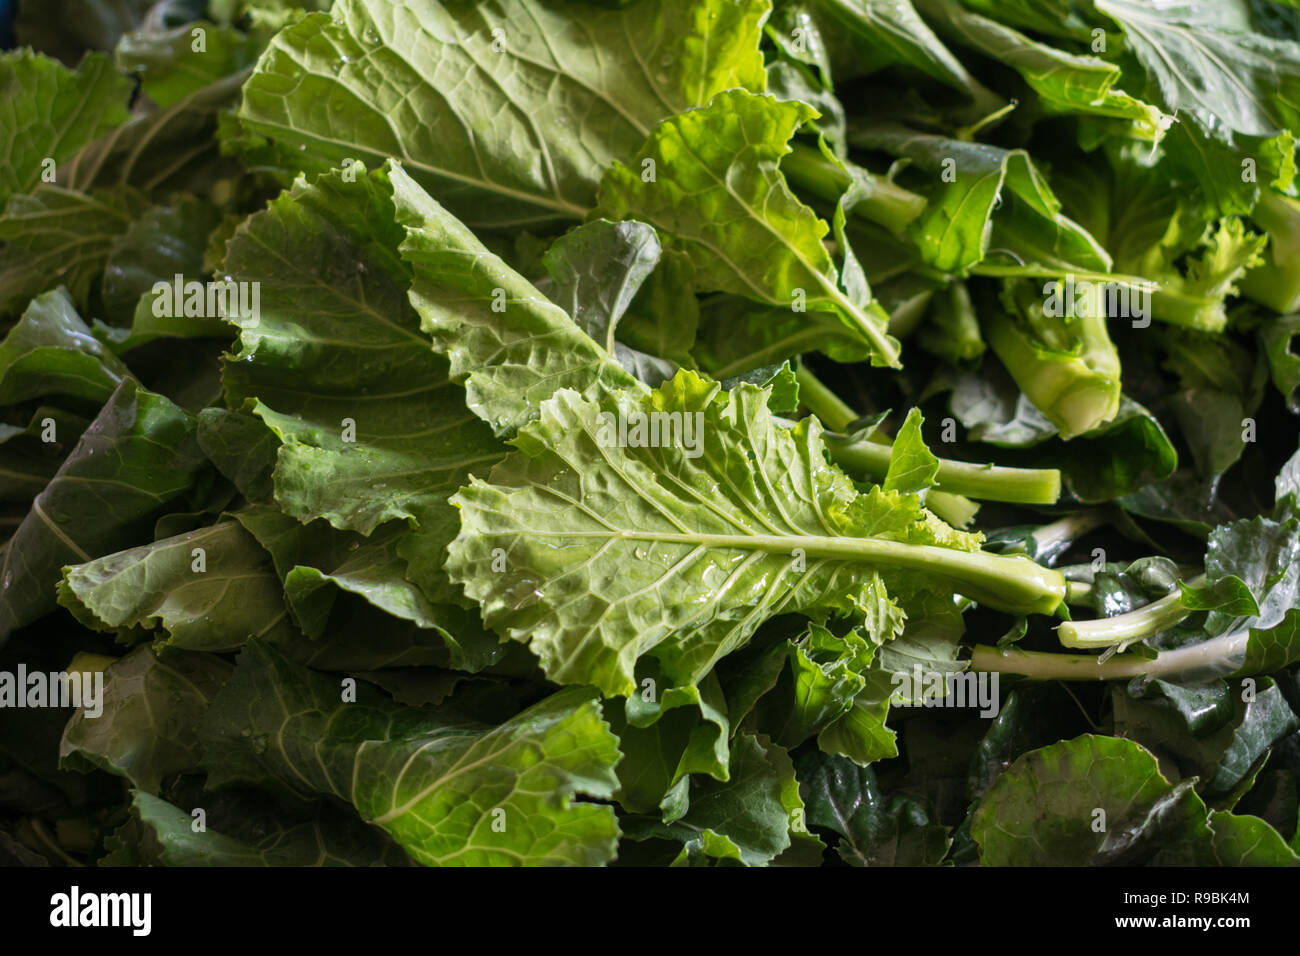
793, 537
433, 784
1104, 800
55, 112
470, 82
684, 433
137, 459
743, 228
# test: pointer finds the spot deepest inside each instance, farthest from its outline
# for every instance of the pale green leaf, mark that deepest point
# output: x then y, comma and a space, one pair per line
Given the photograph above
912, 466
984, 198
596, 271
508, 344
499, 108
680, 551
53, 112
1066, 82
709, 181
371, 426
170, 67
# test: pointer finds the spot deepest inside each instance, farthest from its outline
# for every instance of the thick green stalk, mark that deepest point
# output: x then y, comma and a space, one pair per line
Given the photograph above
821, 401
958, 510
1122, 628
1014, 584
1027, 486
891, 206
1069, 369
952, 331
1055, 539
1078, 592
1221, 656
869, 457
1200, 312
1277, 283
907, 302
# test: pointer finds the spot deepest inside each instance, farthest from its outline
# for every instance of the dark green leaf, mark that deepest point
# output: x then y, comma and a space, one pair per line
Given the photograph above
874, 830
136, 460
433, 784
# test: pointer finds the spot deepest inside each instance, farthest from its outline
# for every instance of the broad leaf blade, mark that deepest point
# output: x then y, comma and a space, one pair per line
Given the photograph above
53, 113
148, 729
207, 590
431, 783
371, 427
51, 354
506, 342
499, 108
56, 236
137, 460
160, 833
604, 563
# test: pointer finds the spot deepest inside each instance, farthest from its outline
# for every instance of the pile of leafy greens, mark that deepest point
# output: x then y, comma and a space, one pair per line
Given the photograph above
657, 432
